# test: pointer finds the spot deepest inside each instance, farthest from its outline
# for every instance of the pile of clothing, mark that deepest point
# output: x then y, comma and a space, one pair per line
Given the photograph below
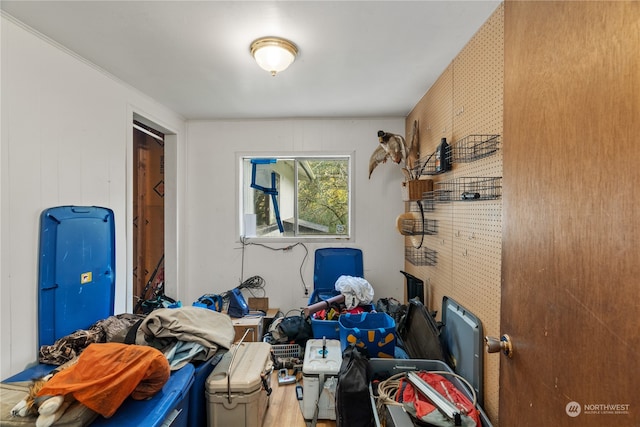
182, 334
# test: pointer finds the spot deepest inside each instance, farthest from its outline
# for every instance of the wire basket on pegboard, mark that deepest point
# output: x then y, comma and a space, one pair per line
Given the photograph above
433, 164
418, 226
474, 147
420, 256
426, 204
285, 351
469, 189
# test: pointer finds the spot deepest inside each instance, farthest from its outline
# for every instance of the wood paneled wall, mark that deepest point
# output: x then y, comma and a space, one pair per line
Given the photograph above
466, 100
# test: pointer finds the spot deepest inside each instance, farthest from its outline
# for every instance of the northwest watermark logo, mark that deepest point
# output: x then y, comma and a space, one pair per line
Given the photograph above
573, 409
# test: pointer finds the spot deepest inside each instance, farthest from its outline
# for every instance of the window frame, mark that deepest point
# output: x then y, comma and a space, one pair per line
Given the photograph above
240, 188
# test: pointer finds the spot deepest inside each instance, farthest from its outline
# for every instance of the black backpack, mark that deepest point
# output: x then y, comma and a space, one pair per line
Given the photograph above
353, 403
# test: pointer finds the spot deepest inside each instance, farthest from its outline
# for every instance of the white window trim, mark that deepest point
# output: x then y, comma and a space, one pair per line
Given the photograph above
240, 156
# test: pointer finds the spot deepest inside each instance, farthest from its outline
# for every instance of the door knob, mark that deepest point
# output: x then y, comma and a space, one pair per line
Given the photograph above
494, 345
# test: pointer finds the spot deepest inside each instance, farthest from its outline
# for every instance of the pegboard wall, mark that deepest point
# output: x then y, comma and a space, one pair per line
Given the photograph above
467, 99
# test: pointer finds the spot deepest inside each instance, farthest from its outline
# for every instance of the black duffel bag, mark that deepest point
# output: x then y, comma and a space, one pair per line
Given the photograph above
353, 404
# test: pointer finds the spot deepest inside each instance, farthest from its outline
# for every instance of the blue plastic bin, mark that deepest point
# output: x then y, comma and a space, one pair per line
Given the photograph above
197, 416
76, 276
169, 407
328, 329
376, 332
76, 270
329, 264
36, 371
75, 290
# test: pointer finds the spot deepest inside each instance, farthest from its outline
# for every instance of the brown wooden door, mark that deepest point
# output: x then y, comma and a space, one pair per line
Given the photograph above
571, 214
148, 212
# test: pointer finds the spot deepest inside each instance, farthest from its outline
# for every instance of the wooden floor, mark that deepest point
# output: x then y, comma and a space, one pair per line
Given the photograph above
284, 408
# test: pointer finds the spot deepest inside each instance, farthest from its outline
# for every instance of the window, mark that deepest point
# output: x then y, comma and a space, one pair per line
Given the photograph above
296, 196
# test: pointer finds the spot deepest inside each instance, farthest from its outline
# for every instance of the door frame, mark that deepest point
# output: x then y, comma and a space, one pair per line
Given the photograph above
172, 246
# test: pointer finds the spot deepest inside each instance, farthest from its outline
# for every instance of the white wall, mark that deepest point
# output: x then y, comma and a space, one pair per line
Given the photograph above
66, 138
213, 252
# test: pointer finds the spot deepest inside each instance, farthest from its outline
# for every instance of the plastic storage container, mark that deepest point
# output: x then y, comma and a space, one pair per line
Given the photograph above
168, 407
376, 332
77, 270
321, 364
329, 264
235, 390
396, 415
74, 290
197, 404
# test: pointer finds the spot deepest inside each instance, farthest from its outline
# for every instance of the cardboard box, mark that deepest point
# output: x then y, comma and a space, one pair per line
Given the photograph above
259, 304
241, 324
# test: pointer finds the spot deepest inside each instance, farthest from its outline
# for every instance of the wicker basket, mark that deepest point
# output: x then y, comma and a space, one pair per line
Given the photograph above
414, 189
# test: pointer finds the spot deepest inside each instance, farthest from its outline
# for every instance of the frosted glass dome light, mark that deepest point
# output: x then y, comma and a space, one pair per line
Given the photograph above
273, 54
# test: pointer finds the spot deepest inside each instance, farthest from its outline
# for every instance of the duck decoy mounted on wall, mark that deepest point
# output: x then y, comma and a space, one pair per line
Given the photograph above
394, 147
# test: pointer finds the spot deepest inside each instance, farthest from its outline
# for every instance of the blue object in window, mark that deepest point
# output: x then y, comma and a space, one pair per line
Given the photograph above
273, 191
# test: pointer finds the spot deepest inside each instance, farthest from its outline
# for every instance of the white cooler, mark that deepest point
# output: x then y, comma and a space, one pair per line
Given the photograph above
235, 389
320, 366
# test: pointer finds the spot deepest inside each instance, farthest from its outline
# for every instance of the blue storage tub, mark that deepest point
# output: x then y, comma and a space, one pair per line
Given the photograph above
76, 289
329, 264
328, 329
76, 270
374, 331
76, 275
36, 371
168, 407
197, 402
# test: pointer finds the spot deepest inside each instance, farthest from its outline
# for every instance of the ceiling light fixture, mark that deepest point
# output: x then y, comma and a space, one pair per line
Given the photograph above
273, 54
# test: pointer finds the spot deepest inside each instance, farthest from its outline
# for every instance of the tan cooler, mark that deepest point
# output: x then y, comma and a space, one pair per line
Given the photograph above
236, 390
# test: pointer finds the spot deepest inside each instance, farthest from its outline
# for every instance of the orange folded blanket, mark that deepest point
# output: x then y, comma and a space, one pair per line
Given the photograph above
106, 374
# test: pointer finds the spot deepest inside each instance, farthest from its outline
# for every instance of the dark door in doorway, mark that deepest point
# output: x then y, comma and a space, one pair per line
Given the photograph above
148, 213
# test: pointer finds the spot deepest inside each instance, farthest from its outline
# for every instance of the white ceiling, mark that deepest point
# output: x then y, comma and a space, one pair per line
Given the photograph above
356, 58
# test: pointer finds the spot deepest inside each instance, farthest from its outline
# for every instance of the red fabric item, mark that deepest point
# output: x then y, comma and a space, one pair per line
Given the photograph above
443, 386
320, 315
106, 374
356, 310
